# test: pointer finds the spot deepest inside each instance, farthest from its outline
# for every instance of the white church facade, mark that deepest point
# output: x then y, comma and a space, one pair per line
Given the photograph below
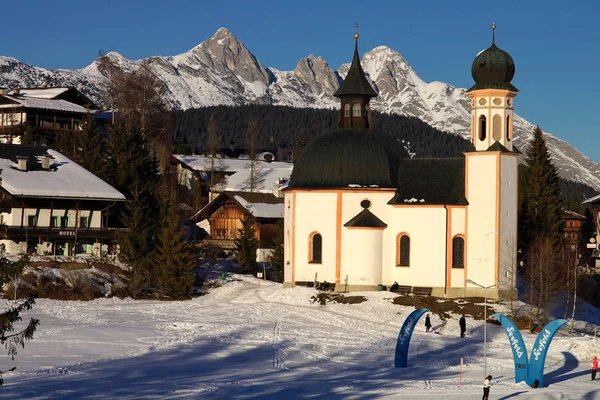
359, 212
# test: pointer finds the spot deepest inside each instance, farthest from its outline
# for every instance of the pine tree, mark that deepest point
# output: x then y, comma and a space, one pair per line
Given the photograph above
300, 143
91, 149
277, 257
212, 145
246, 245
175, 260
8, 319
541, 201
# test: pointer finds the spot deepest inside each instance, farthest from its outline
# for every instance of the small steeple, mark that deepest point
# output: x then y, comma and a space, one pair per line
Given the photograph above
355, 93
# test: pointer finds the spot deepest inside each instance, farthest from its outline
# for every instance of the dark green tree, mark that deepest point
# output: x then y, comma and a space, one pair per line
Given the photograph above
541, 201
175, 261
134, 172
91, 149
246, 245
277, 257
300, 143
8, 337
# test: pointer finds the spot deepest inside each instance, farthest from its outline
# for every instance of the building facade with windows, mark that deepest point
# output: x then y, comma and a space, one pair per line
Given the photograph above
51, 205
358, 211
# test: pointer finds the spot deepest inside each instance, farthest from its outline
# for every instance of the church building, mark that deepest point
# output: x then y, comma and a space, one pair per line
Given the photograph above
360, 212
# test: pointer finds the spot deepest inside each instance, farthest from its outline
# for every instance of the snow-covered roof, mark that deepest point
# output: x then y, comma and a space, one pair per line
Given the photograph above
65, 179
269, 173
591, 200
43, 93
261, 210
46, 104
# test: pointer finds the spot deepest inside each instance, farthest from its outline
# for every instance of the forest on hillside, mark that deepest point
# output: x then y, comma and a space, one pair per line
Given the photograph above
280, 128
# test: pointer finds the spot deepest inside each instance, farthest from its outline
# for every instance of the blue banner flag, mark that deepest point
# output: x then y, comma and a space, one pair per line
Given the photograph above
540, 349
401, 359
517, 345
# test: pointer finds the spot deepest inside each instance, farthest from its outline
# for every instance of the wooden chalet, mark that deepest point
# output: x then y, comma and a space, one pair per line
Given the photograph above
51, 205
573, 229
226, 211
46, 111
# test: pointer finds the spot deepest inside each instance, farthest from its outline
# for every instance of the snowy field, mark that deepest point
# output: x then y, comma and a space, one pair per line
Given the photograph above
242, 342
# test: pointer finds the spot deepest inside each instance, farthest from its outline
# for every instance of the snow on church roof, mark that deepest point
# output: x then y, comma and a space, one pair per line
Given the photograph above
65, 179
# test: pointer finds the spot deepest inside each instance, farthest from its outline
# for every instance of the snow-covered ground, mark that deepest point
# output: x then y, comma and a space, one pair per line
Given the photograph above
242, 342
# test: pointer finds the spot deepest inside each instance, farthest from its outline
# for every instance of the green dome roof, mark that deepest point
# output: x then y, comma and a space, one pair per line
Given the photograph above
493, 68
349, 157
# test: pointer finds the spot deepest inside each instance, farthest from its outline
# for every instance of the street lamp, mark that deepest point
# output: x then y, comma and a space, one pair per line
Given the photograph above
485, 288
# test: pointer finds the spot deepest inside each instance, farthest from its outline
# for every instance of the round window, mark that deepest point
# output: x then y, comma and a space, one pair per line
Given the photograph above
365, 203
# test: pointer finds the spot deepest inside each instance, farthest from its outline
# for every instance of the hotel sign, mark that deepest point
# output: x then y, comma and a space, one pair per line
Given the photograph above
66, 233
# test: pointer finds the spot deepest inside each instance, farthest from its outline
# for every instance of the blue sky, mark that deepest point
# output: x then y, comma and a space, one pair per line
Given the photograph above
555, 44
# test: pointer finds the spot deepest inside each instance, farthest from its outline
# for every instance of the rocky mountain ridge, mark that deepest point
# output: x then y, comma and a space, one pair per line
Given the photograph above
222, 71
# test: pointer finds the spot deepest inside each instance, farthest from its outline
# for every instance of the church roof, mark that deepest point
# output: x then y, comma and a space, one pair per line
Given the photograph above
426, 181
355, 83
348, 158
365, 219
493, 68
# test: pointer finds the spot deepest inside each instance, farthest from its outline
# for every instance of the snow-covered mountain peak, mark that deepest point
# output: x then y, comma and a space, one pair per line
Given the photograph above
221, 70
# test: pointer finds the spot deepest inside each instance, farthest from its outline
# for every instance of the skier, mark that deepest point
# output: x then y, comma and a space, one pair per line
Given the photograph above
594, 367
487, 383
427, 323
463, 325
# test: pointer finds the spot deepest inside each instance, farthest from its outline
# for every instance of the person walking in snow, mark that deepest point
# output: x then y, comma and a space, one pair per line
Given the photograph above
427, 323
487, 383
594, 367
463, 325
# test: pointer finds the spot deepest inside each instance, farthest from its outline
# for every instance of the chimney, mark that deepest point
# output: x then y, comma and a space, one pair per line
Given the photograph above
22, 163
17, 92
46, 162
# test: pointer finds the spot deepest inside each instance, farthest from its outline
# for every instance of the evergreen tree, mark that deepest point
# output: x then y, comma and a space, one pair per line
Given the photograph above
256, 178
91, 149
8, 319
277, 257
301, 141
175, 260
212, 145
541, 201
134, 172
246, 245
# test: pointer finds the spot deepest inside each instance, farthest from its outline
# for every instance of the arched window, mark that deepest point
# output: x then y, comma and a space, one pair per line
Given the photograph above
346, 110
316, 248
356, 110
458, 252
403, 250
508, 129
482, 127
497, 128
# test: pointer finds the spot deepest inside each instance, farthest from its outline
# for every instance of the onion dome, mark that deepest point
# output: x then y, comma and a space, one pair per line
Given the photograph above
349, 158
493, 68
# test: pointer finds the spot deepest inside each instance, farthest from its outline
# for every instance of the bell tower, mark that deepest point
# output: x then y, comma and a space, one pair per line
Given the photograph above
492, 98
355, 93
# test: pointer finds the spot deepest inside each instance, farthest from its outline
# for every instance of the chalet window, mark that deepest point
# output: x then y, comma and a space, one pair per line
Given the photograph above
316, 248
404, 251
53, 222
458, 252
347, 110
31, 220
83, 222
64, 222
221, 233
356, 110
482, 127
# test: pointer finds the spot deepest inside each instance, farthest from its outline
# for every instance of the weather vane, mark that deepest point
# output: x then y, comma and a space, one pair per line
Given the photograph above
356, 30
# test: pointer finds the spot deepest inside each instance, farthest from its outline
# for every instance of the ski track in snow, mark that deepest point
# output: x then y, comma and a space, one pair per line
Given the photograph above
241, 341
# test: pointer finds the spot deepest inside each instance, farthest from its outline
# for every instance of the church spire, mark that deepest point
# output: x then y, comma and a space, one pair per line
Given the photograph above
355, 92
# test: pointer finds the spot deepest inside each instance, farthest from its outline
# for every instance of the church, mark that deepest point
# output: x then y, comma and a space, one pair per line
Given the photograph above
360, 212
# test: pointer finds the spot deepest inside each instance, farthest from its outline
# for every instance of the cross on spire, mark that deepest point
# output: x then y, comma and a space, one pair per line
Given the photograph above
356, 30
493, 33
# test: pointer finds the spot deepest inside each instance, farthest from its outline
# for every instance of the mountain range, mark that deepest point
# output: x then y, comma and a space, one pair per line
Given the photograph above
222, 71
